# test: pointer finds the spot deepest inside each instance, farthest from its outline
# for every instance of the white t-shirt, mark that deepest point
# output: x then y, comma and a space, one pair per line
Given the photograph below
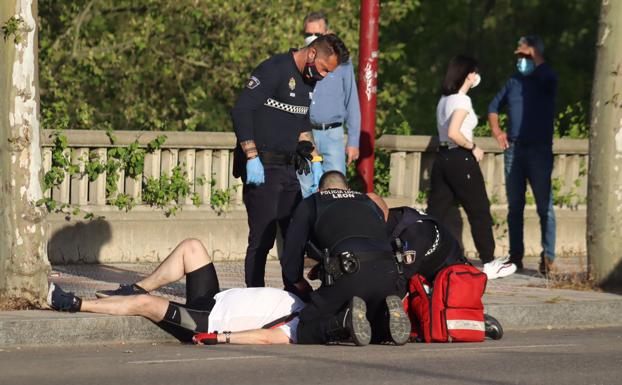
252, 308
446, 106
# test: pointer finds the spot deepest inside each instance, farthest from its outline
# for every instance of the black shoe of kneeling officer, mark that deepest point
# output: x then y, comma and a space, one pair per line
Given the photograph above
130, 289
350, 325
60, 300
356, 322
493, 329
399, 323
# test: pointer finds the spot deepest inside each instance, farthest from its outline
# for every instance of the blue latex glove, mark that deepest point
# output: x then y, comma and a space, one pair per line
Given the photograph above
254, 172
316, 169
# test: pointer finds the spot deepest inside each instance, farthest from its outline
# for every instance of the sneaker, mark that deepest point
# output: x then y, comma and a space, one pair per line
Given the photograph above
356, 322
129, 289
399, 323
499, 268
493, 329
60, 300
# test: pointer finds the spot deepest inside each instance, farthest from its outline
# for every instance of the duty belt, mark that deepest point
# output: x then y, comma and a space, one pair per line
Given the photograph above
349, 263
270, 157
326, 126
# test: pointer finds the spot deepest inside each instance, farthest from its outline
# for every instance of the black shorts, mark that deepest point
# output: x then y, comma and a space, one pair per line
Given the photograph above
184, 320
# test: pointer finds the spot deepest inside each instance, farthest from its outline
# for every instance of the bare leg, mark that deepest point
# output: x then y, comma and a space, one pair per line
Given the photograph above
188, 256
145, 305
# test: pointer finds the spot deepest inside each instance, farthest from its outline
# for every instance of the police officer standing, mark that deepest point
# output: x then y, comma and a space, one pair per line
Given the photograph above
360, 276
271, 123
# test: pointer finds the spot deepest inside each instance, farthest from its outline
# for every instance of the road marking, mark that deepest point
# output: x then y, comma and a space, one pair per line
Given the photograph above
501, 347
198, 359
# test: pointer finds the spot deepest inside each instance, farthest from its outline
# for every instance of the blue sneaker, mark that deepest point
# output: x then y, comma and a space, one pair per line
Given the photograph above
60, 300
129, 289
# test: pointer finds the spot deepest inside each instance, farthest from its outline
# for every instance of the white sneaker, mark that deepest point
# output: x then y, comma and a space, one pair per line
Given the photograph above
499, 268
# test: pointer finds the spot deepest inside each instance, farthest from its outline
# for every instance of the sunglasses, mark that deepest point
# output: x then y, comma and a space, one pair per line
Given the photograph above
308, 34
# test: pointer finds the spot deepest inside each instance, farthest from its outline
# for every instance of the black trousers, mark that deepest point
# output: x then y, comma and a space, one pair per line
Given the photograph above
456, 176
267, 205
375, 280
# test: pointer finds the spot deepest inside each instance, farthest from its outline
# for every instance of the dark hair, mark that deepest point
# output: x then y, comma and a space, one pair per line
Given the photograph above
458, 69
332, 178
533, 41
314, 16
330, 45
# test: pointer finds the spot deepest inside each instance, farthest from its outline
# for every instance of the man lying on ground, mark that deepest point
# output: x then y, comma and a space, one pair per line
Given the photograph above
239, 316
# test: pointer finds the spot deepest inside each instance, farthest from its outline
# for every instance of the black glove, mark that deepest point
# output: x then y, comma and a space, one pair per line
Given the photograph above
303, 156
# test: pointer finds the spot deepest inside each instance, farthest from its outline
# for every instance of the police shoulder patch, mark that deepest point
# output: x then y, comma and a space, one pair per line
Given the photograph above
252, 83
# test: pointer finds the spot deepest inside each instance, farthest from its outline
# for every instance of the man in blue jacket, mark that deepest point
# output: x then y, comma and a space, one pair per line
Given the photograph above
335, 104
528, 143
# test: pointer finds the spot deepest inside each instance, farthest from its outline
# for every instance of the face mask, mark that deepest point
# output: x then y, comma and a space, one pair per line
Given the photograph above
525, 66
311, 74
310, 37
477, 80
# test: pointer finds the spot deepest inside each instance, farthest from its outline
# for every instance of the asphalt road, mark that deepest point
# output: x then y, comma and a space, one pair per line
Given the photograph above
591, 356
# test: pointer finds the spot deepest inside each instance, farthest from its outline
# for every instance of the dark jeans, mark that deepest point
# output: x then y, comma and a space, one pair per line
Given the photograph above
456, 176
375, 280
533, 163
266, 205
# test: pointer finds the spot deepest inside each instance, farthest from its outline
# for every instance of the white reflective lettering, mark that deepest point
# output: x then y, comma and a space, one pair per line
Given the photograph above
465, 324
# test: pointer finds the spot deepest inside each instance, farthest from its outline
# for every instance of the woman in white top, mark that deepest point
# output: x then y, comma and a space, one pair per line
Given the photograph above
456, 175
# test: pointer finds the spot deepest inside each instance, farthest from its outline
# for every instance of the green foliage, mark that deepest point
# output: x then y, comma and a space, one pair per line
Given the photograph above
12, 27
572, 122
179, 65
485, 130
163, 65
167, 192
221, 198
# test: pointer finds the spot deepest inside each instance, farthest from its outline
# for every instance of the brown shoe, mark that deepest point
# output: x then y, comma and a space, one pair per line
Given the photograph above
546, 265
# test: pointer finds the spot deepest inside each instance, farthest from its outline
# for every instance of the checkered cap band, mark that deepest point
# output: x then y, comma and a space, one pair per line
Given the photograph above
302, 110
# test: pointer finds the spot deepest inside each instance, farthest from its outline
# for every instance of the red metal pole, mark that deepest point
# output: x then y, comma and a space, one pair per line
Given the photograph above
368, 76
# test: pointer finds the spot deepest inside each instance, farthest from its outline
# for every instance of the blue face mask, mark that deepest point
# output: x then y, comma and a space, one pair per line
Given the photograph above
525, 66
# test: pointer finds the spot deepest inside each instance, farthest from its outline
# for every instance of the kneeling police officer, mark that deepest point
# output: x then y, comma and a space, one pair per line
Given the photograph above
360, 277
422, 244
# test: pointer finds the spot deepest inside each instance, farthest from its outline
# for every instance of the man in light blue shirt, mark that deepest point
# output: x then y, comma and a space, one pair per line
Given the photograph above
335, 104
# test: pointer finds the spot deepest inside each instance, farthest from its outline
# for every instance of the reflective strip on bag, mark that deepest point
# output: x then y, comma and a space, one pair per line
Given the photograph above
465, 324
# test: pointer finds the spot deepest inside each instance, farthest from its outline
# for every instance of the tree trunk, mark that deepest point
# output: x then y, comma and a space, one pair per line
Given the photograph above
604, 218
23, 257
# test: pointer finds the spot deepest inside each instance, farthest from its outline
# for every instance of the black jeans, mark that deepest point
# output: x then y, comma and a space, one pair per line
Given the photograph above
375, 280
456, 176
266, 205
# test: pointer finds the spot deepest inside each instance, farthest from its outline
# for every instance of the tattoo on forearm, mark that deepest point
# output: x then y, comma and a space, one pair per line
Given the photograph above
249, 148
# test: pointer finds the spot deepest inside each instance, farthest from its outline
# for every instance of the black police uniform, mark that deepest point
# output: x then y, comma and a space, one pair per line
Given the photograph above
272, 110
341, 221
427, 246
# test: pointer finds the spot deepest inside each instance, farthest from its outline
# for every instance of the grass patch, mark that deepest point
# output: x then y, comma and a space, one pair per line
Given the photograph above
571, 281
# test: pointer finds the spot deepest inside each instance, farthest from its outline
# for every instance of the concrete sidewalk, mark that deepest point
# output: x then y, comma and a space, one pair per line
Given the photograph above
522, 301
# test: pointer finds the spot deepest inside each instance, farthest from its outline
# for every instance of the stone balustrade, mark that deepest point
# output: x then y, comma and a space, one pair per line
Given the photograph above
199, 154
145, 234
412, 158
209, 155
